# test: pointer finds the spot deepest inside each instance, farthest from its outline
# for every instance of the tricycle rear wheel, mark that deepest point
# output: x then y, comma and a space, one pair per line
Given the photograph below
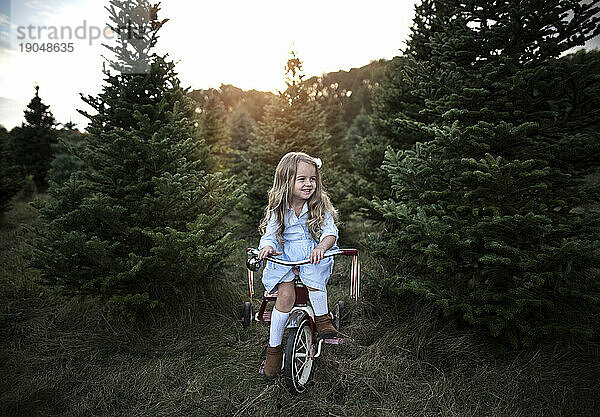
247, 315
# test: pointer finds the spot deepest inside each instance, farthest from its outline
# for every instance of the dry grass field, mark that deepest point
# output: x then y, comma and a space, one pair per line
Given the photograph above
63, 357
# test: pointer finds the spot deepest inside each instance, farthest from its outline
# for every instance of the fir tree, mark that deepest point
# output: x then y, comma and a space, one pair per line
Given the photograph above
336, 170
359, 180
142, 218
395, 120
332, 98
492, 212
213, 122
32, 141
241, 128
71, 142
10, 175
292, 122
359, 129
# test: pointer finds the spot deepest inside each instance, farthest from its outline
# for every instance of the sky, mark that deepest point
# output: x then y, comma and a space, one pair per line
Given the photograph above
239, 42
243, 43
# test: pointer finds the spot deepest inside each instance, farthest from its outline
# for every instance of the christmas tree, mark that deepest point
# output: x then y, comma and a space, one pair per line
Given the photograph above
490, 210
32, 142
213, 122
359, 129
71, 142
142, 218
395, 121
241, 128
292, 123
10, 175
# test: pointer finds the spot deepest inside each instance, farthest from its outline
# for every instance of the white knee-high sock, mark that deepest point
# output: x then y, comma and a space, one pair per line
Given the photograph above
278, 321
318, 299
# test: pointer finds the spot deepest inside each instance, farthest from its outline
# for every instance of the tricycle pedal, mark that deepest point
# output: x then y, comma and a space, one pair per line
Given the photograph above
334, 341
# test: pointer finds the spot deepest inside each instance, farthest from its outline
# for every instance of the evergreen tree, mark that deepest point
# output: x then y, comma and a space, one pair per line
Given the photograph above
337, 128
10, 175
359, 129
358, 181
142, 218
332, 97
292, 122
70, 143
241, 128
32, 141
492, 212
331, 102
213, 121
395, 121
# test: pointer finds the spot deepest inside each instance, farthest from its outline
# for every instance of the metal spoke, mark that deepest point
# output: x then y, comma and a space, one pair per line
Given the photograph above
301, 358
300, 370
306, 344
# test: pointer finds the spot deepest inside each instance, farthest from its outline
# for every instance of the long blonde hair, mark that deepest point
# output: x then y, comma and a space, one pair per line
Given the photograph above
280, 196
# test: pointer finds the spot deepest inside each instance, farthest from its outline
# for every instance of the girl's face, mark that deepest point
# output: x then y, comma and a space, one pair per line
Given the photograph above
305, 183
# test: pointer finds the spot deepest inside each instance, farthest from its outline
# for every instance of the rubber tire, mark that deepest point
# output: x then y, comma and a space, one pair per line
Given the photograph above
247, 317
339, 315
298, 338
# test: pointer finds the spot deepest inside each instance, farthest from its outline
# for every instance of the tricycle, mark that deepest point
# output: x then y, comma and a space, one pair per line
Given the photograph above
302, 346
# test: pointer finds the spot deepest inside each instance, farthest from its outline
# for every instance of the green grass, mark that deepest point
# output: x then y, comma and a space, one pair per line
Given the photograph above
63, 357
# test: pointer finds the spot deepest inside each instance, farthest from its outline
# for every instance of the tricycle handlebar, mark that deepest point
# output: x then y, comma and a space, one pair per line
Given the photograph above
348, 252
254, 264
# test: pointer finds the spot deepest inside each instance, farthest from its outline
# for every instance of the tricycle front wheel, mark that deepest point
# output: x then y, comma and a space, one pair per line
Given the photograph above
298, 357
339, 315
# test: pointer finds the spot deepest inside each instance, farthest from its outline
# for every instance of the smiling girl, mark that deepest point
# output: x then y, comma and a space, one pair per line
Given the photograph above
298, 224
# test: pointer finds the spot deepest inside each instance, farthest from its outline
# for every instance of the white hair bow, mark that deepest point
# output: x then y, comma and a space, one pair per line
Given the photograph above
318, 162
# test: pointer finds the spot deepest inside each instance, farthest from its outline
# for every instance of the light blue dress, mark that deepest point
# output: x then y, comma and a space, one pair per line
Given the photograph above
298, 243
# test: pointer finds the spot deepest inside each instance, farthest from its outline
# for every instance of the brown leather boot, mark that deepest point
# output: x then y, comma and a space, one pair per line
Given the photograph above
272, 364
325, 327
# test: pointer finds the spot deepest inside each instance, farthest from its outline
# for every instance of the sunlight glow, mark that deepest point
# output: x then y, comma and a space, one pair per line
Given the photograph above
236, 42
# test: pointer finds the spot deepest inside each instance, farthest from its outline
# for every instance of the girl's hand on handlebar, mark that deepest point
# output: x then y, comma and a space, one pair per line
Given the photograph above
316, 255
266, 251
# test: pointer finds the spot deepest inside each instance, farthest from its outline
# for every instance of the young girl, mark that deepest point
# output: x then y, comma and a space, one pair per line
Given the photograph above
298, 224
